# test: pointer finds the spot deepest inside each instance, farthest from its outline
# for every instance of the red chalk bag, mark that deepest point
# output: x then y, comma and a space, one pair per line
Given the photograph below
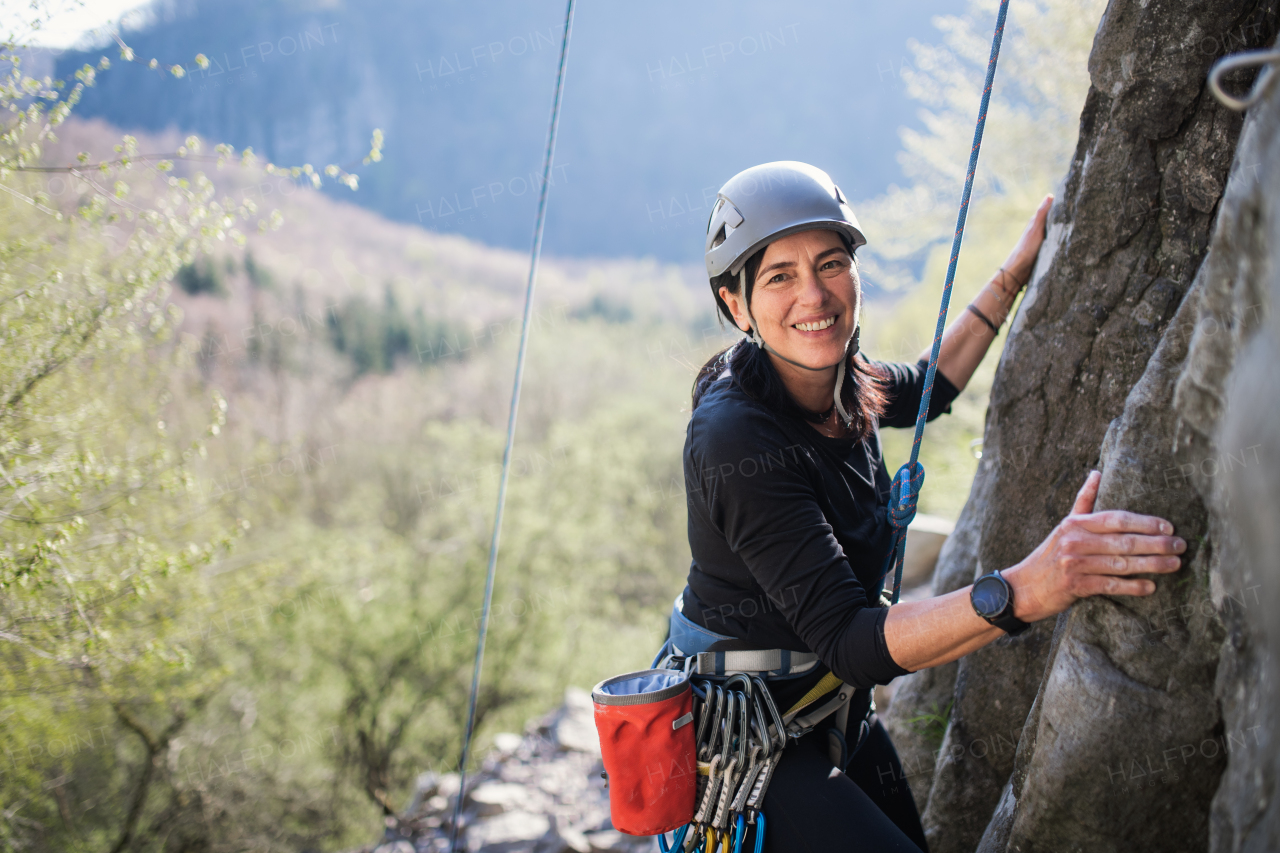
647, 742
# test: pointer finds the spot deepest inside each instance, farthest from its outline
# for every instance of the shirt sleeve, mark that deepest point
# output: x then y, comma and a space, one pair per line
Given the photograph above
753, 480
906, 387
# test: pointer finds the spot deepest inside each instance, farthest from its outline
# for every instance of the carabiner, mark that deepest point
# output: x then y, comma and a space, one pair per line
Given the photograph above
742, 697
762, 689
702, 713
727, 743
736, 678
761, 726
705, 751
744, 729
739, 831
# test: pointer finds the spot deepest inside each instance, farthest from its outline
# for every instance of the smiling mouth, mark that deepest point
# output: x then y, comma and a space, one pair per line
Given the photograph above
816, 326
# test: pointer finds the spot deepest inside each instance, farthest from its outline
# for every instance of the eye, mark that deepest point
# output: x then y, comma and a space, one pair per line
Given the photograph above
777, 278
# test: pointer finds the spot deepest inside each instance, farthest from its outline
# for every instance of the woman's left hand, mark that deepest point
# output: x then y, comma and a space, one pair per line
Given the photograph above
1022, 260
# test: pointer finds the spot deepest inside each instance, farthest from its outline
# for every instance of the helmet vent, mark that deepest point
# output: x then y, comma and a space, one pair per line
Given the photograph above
719, 238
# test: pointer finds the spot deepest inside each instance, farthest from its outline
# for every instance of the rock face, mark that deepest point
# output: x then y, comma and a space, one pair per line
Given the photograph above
1228, 395
540, 793
1132, 724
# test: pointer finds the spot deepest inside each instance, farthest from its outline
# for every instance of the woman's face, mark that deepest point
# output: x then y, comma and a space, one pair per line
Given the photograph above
805, 299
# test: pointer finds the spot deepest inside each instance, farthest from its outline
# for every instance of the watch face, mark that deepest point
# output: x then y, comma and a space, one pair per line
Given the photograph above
990, 596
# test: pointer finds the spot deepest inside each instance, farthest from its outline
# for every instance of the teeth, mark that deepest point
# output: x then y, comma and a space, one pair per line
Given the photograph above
815, 327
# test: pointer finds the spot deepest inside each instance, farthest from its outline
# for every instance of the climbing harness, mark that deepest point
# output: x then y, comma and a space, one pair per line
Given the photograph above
535, 255
1247, 59
905, 492
733, 746
738, 741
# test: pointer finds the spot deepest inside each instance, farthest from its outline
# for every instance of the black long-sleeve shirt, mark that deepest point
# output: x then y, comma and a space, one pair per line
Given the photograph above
788, 528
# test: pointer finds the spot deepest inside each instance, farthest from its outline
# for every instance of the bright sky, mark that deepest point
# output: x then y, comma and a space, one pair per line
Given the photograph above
68, 21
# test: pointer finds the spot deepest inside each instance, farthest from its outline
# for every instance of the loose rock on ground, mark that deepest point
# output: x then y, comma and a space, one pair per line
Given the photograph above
537, 793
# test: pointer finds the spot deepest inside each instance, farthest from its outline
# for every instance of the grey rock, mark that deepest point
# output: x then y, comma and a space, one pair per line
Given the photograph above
491, 798
534, 794
572, 839
506, 743
510, 832
448, 784
610, 841
575, 726
395, 847
1239, 479
424, 790
1070, 736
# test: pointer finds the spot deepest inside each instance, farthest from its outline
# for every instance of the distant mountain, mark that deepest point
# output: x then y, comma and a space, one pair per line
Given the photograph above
664, 102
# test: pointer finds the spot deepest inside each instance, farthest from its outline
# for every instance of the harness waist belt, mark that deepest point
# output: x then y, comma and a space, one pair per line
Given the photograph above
776, 662
692, 641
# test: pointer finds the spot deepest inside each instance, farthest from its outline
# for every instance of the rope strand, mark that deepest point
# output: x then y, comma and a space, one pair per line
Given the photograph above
905, 493
535, 256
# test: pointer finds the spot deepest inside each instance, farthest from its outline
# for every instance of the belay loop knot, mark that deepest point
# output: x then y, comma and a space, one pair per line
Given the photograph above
904, 495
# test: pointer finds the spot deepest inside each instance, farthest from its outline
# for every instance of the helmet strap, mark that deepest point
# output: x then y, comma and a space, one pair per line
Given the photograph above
840, 365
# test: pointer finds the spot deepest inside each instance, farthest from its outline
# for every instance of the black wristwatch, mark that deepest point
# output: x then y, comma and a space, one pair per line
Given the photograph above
992, 599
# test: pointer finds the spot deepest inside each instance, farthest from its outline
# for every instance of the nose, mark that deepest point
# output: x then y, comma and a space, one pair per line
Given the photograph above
812, 291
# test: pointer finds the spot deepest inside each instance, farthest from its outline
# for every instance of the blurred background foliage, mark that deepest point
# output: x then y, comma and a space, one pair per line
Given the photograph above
249, 449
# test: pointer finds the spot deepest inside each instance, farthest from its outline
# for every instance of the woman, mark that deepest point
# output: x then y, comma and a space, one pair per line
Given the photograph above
787, 495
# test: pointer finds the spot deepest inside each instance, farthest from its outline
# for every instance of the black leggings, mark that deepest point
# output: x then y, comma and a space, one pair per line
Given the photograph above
811, 806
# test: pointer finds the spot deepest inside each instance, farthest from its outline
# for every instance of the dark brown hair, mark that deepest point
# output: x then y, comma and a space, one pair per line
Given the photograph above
747, 365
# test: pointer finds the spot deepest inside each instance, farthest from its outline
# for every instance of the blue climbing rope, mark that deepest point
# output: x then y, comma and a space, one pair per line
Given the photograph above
534, 256
905, 492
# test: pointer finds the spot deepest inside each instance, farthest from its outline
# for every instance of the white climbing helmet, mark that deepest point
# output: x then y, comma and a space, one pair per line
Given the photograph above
763, 203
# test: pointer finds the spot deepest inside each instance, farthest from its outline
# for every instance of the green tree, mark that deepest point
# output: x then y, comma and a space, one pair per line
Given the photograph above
105, 546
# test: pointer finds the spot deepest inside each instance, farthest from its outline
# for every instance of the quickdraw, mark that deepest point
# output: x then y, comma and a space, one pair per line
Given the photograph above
740, 738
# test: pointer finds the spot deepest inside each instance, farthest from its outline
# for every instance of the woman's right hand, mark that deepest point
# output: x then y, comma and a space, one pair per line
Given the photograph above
1093, 553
